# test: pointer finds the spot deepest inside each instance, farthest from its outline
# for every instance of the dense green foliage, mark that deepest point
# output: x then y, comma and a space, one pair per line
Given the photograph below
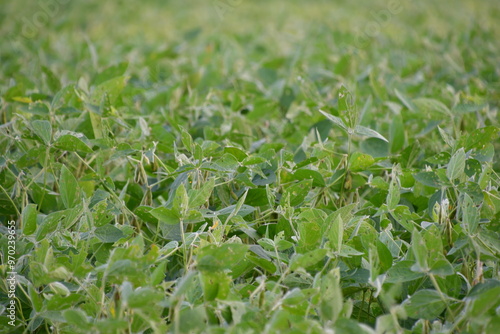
250, 166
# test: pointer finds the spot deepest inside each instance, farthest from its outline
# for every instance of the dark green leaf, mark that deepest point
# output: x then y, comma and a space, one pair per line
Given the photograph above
109, 233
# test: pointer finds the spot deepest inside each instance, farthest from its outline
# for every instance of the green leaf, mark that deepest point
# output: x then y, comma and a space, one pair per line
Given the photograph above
102, 214
168, 216
143, 297
433, 243
59, 289
377, 148
158, 274
448, 139
473, 168
483, 299
181, 201
253, 160
51, 79
394, 194
76, 317
316, 216
236, 152
297, 192
187, 140
485, 154
384, 256
97, 125
266, 243
294, 297
374, 262
61, 302
29, 216
110, 73
111, 325
243, 210
428, 178
72, 143
256, 197
304, 174
424, 304
473, 190
478, 138
68, 188
470, 215
348, 251
215, 284
442, 158
344, 325
283, 245
336, 233
401, 272
308, 259
109, 233
35, 155
431, 106
407, 102
366, 132
442, 268
331, 299
192, 320
49, 224
239, 205
164, 138
185, 283
268, 177
262, 108
109, 89
226, 163
336, 120
456, 166
360, 161
271, 198
263, 263
420, 252
43, 129
63, 97
193, 216
346, 107
310, 236
35, 298
212, 258
377, 85
286, 99
465, 108
397, 134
